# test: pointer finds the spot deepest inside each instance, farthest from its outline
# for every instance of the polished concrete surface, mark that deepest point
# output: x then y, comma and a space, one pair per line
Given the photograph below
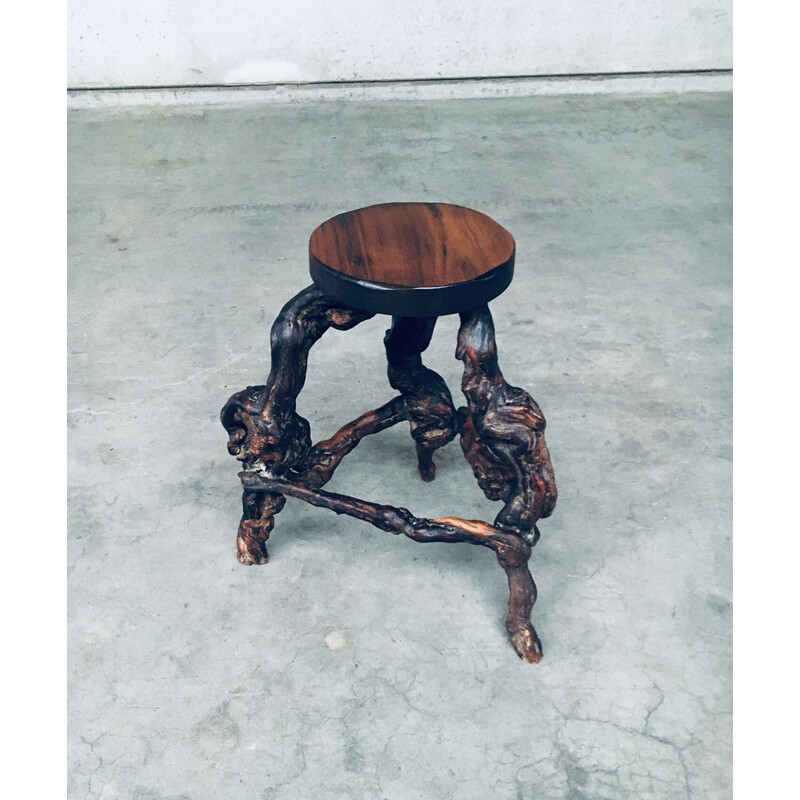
356, 664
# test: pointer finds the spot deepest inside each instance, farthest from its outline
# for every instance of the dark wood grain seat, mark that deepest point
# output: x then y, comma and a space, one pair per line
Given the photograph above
412, 259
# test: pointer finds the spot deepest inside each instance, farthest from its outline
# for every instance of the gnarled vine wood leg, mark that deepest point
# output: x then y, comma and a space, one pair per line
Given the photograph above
428, 402
258, 519
264, 429
502, 433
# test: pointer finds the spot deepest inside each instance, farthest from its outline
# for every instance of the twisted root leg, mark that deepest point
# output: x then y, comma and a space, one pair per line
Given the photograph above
262, 422
429, 405
513, 558
258, 519
502, 433
521, 597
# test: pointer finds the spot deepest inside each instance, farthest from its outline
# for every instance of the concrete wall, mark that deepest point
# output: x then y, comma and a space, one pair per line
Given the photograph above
197, 42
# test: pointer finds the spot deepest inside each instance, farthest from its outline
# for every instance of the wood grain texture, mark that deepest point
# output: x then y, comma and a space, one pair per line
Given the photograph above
412, 244
412, 259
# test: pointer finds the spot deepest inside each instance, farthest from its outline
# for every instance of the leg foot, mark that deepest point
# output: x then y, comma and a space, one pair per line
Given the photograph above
521, 597
258, 519
425, 465
525, 641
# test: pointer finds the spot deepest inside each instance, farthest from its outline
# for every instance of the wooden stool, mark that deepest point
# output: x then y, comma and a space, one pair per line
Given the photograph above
416, 262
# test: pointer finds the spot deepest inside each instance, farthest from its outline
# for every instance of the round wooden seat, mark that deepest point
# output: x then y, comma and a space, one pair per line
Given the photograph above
412, 259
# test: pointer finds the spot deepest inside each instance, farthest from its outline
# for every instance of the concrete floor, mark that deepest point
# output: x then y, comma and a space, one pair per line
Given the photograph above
356, 664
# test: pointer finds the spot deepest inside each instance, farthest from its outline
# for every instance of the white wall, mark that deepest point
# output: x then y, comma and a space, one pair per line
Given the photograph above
190, 42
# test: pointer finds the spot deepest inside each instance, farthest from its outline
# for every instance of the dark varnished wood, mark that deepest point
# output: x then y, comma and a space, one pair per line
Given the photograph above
263, 425
502, 427
429, 405
502, 433
412, 259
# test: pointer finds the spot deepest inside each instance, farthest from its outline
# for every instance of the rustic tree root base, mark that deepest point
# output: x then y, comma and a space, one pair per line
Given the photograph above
501, 431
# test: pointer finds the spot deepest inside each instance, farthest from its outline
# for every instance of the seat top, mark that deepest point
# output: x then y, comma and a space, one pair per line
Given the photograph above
412, 259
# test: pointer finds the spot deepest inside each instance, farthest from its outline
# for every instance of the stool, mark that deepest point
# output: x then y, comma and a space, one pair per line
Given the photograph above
415, 262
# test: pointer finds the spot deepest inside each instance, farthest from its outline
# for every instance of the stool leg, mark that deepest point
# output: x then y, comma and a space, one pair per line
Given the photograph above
521, 597
258, 520
427, 399
502, 433
265, 432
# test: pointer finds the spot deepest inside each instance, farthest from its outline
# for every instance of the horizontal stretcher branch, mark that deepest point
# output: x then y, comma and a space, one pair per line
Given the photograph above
398, 520
511, 550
